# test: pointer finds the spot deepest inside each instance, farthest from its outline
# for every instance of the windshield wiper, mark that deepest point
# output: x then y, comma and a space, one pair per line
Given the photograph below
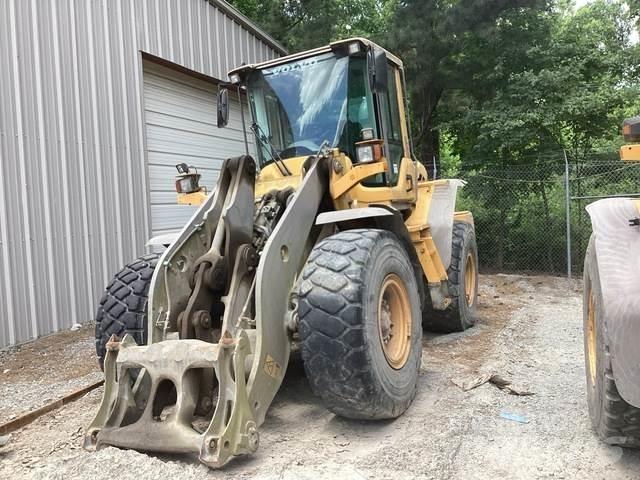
275, 156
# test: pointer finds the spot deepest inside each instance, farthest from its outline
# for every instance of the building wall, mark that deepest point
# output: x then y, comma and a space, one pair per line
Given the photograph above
74, 199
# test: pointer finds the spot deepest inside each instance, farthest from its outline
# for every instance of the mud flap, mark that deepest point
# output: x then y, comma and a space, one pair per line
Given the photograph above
440, 220
618, 258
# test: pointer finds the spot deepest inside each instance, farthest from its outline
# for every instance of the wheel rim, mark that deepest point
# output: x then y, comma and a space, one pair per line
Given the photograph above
470, 279
591, 338
394, 321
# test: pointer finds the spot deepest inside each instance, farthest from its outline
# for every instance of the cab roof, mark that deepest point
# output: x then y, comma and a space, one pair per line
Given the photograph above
333, 46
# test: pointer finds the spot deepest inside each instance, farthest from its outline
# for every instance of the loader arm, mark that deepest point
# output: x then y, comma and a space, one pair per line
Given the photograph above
203, 384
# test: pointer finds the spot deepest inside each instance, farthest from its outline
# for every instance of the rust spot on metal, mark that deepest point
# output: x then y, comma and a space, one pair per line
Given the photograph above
113, 344
272, 367
227, 339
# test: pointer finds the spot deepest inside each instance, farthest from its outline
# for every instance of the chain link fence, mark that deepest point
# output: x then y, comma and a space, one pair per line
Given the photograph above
531, 218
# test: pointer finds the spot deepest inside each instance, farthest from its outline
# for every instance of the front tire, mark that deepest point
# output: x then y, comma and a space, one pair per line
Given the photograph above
123, 306
614, 420
360, 328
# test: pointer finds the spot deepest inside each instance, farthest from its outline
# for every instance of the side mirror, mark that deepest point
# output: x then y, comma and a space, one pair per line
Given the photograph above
380, 78
223, 107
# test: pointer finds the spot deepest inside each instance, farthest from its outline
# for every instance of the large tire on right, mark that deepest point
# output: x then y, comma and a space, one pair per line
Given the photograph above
360, 328
123, 307
463, 285
614, 420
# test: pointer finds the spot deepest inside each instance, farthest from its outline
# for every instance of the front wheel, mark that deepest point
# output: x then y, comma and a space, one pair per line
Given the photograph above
360, 328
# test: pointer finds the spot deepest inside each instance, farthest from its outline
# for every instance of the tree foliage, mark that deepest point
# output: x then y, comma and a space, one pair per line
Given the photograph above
565, 89
304, 24
459, 47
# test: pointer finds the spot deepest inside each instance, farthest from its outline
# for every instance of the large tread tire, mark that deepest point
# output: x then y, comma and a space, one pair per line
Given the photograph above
123, 307
341, 346
460, 314
614, 420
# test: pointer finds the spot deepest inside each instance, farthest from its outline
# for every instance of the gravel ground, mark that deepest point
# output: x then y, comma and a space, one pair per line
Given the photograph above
39, 372
529, 332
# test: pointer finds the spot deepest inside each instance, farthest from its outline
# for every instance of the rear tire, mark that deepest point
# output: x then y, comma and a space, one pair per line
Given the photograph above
123, 307
360, 329
463, 285
614, 420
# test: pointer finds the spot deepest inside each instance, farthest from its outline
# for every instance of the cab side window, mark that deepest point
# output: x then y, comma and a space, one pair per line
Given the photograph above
391, 117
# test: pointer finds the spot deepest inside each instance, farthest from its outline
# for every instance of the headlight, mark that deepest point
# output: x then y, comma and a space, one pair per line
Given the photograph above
369, 151
366, 134
365, 154
354, 48
187, 183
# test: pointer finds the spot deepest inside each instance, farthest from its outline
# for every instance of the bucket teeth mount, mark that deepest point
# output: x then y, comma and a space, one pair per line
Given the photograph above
129, 421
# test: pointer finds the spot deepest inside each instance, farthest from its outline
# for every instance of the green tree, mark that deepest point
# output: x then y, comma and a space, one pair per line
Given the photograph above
569, 93
452, 46
304, 24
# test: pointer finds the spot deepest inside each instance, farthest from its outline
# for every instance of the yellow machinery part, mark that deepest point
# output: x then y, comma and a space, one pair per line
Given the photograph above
630, 153
464, 216
402, 195
271, 177
354, 176
195, 198
412, 193
421, 235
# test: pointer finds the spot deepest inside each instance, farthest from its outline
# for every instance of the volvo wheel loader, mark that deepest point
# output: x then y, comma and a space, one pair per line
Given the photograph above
611, 310
334, 242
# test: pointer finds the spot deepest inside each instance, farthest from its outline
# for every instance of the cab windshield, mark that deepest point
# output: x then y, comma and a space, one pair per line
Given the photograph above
300, 105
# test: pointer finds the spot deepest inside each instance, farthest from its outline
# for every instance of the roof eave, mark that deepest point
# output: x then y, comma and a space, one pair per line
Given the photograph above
249, 25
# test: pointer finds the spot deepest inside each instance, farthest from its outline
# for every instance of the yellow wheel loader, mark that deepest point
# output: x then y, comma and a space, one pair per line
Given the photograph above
611, 311
334, 242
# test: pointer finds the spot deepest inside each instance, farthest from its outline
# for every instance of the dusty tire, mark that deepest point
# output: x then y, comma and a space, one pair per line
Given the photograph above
349, 278
614, 420
463, 285
123, 306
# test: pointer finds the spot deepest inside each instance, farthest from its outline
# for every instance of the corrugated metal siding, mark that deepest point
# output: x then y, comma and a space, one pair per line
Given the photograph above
74, 201
180, 116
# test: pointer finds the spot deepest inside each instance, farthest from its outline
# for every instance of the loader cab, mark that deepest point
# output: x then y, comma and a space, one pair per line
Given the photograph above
346, 96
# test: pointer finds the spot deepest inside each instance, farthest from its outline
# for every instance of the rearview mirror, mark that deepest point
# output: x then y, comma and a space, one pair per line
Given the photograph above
380, 82
223, 107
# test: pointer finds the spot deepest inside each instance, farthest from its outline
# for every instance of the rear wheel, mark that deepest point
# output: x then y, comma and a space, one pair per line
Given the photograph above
123, 307
614, 420
360, 329
463, 285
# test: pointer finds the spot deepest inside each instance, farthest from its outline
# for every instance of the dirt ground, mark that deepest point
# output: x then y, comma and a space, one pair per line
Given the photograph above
529, 332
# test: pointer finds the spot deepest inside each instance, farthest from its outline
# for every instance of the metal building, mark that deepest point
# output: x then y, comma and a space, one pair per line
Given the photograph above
99, 100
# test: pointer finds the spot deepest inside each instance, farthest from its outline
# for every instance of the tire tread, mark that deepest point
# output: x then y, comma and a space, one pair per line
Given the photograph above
123, 306
451, 319
330, 308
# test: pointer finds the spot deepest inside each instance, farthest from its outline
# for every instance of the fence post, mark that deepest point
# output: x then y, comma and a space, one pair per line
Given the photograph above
567, 200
